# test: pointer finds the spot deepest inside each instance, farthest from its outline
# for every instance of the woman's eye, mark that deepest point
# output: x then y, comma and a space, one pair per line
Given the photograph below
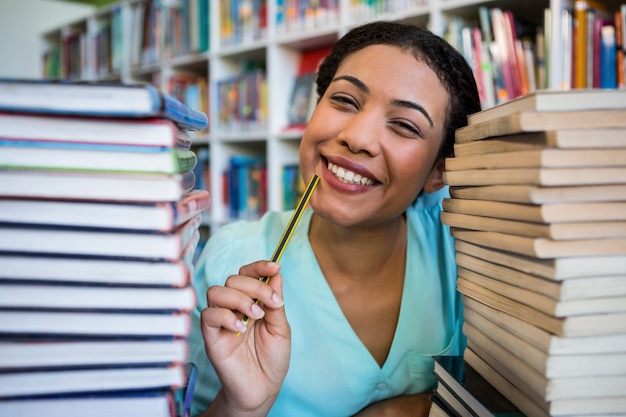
344, 100
407, 127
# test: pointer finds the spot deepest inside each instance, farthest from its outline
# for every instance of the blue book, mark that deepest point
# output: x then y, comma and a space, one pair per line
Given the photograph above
102, 99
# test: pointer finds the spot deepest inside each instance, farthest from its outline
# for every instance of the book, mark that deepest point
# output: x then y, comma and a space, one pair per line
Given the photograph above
533, 194
539, 213
553, 231
570, 326
491, 287
90, 157
560, 139
102, 99
300, 102
147, 404
110, 131
516, 390
438, 408
158, 216
548, 158
579, 288
540, 247
95, 297
79, 324
554, 268
98, 242
466, 385
90, 270
476, 313
548, 365
47, 382
554, 100
536, 121
52, 354
537, 176
594, 392
63, 185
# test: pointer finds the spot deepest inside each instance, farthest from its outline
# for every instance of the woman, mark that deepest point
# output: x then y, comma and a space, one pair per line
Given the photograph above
365, 294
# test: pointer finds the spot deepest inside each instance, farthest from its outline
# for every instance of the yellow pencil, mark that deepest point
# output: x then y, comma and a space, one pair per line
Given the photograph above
293, 222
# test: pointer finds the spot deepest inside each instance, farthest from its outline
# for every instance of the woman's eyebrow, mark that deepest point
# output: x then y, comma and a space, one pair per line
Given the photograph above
401, 103
357, 83
414, 106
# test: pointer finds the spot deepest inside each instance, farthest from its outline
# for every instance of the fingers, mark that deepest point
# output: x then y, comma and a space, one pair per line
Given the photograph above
227, 304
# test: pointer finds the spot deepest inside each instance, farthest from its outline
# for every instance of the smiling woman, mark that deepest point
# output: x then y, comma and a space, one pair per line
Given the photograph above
368, 295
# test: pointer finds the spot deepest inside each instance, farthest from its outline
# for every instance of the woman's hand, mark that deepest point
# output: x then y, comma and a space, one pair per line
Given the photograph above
251, 361
416, 405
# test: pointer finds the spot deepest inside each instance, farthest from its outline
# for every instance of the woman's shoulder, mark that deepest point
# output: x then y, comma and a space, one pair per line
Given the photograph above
270, 224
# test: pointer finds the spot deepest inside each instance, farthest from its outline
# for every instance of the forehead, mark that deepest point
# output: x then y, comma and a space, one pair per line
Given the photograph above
388, 58
395, 71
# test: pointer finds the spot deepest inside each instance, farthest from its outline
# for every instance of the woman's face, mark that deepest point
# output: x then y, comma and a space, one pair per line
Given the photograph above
374, 137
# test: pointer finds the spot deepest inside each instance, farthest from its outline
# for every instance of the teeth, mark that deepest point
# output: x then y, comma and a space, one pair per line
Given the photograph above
349, 176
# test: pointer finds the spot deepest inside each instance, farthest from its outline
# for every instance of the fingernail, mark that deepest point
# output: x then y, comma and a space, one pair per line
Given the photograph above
240, 325
276, 299
257, 311
272, 264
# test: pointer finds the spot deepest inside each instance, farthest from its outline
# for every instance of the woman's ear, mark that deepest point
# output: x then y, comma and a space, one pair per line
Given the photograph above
434, 181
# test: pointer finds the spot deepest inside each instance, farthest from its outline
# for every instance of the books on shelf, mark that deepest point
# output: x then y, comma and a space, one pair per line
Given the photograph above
246, 187
95, 283
541, 250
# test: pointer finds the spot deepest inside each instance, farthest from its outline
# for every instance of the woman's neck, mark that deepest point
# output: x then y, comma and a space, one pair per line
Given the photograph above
357, 251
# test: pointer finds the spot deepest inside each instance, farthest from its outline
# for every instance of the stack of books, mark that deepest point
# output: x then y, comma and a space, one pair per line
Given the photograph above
98, 227
462, 391
538, 210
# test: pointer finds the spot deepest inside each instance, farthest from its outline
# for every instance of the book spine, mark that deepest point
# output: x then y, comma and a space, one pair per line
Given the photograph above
608, 54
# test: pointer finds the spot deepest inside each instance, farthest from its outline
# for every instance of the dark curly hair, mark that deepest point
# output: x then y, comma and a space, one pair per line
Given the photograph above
449, 65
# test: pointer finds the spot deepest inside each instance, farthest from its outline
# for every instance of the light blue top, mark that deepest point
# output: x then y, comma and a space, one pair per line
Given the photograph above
331, 372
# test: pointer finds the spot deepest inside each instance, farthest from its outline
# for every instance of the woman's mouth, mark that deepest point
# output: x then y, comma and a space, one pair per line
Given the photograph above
348, 176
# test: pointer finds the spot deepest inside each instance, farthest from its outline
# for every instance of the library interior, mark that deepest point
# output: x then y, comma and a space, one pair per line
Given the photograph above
133, 130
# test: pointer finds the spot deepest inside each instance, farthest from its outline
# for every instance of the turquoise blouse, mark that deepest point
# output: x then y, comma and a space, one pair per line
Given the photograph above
331, 372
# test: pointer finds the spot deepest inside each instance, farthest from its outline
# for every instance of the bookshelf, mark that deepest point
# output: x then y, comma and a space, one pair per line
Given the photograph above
255, 46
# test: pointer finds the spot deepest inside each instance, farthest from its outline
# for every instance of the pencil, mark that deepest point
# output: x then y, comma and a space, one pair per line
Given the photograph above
288, 232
